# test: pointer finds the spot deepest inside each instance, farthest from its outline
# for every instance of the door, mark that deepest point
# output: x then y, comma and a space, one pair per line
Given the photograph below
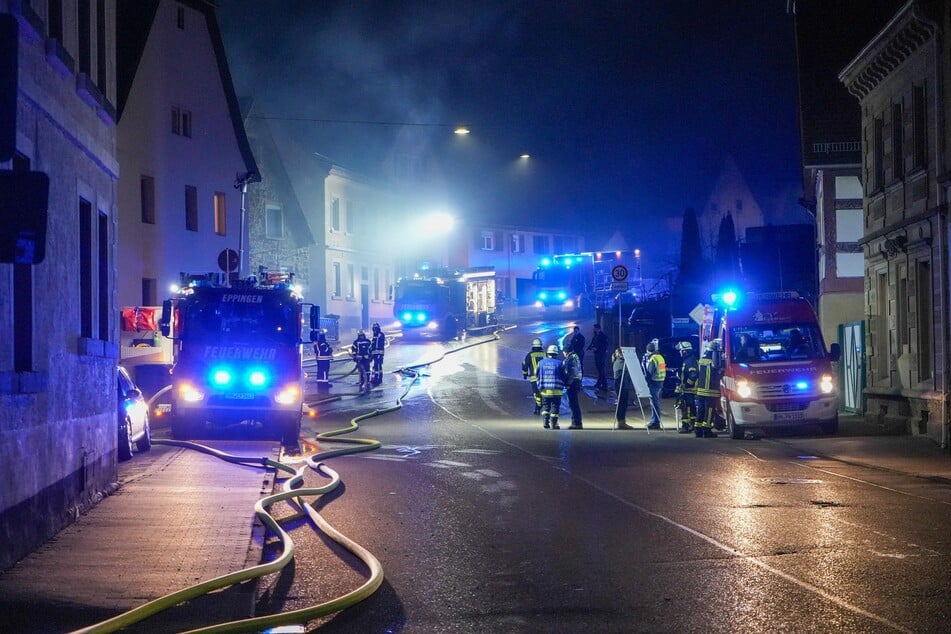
852, 367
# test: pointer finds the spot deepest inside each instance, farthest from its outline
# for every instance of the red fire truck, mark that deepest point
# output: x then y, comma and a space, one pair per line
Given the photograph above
776, 369
236, 354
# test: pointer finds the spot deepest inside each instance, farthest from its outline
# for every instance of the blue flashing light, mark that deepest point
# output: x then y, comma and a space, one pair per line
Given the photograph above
420, 317
729, 298
257, 378
802, 385
562, 295
221, 376
543, 295
407, 316
546, 262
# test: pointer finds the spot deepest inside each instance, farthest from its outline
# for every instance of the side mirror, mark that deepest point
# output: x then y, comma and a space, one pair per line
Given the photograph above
133, 395
165, 323
835, 352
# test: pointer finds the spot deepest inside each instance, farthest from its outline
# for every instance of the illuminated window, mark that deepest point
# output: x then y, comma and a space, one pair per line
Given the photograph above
221, 227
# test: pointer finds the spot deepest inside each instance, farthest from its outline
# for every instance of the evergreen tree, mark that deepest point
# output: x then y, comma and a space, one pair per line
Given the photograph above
691, 253
727, 261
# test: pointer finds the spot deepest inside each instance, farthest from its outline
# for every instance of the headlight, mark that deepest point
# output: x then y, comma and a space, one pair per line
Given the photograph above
189, 393
288, 396
825, 384
744, 389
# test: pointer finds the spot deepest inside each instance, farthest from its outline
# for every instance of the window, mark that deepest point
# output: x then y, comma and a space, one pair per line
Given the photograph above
221, 227
336, 281
880, 340
335, 214
147, 199
488, 241
559, 244
85, 268
180, 17
191, 208
85, 36
102, 262
925, 318
389, 285
878, 154
901, 310
540, 244
364, 274
149, 291
919, 125
273, 221
350, 281
351, 216
518, 243
376, 284
739, 205
54, 14
181, 122
22, 300
898, 132
101, 46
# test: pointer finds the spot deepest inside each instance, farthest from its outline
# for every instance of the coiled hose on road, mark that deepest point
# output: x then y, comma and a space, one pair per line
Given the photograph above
296, 495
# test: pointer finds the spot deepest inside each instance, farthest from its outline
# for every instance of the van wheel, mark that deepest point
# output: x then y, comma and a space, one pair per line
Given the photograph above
145, 442
832, 426
181, 428
125, 441
736, 431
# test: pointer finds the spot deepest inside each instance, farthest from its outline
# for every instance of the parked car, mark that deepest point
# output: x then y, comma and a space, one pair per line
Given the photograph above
673, 359
132, 417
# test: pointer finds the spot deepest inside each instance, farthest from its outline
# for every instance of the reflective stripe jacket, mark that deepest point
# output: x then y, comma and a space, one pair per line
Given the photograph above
323, 351
689, 374
530, 364
377, 344
551, 377
361, 349
656, 369
708, 383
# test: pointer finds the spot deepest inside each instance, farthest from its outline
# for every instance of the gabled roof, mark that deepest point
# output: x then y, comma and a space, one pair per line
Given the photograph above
134, 20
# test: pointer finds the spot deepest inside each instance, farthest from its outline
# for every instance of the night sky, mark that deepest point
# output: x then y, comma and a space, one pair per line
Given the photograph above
628, 109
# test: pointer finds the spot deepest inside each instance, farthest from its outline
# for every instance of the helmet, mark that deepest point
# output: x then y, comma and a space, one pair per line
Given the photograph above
321, 337
684, 345
553, 349
536, 343
361, 334
376, 325
712, 346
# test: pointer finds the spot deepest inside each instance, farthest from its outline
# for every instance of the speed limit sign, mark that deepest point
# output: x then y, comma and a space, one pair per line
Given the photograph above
619, 273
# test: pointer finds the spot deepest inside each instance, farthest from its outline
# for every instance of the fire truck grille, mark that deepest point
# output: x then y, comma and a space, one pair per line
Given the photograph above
787, 406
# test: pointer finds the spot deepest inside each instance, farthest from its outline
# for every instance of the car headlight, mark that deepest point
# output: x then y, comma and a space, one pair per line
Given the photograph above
744, 389
189, 393
825, 384
288, 396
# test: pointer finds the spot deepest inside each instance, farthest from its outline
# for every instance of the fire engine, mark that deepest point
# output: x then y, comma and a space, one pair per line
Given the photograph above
580, 283
236, 352
776, 369
446, 302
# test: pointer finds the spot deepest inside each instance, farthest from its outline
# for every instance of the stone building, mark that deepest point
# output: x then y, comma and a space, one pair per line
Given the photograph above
58, 318
901, 80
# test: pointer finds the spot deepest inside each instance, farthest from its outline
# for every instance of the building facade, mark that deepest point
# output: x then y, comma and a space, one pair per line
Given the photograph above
900, 80
182, 147
58, 352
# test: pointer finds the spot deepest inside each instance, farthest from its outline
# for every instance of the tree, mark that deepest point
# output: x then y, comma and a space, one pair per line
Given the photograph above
727, 262
693, 276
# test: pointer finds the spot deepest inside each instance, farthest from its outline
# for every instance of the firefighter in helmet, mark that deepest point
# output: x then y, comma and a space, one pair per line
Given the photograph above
377, 347
530, 371
324, 354
360, 351
687, 388
551, 384
708, 392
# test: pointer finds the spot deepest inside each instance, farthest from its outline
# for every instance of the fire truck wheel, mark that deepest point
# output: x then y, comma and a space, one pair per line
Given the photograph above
290, 431
832, 426
736, 431
181, 428
450, 328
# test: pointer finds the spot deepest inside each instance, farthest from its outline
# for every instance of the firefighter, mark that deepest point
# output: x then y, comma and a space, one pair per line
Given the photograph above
708, 392
551, 384
377, 347
687, 389
573, 386
655, 370
324, 353
599, 346
530, 371
360, 351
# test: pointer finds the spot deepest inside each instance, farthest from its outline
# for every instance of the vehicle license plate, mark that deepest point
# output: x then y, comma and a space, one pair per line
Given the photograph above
241, 395
789, 416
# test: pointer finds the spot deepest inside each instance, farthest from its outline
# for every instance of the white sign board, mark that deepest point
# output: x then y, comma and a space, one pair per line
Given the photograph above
632, 364
697, 314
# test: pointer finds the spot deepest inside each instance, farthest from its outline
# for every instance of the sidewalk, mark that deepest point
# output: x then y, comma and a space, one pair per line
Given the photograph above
178, 518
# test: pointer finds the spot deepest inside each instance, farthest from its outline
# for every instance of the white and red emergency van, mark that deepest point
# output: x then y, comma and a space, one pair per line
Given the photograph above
776, 371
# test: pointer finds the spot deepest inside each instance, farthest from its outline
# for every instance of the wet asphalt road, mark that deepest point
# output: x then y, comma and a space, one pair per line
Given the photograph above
484, 521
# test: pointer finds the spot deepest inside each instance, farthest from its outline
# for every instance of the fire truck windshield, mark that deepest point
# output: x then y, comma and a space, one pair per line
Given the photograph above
268, 320
414, 291
758, 344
